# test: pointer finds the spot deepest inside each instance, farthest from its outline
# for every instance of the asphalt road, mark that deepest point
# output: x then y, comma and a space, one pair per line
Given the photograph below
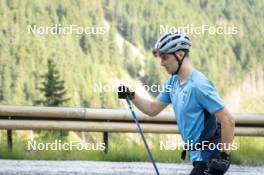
27, 167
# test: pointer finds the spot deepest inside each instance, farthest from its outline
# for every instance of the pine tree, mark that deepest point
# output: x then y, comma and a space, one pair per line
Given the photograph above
54, 95
53, 87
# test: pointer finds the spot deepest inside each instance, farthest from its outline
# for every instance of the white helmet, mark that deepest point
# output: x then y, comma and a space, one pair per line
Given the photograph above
171, 43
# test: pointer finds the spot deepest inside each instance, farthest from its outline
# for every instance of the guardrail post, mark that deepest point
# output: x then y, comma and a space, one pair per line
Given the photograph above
9, 139
105, 137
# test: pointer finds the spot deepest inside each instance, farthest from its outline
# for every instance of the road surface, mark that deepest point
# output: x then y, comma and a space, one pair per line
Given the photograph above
27, 167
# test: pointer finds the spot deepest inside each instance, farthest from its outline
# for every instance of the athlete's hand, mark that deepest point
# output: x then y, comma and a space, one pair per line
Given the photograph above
124, 92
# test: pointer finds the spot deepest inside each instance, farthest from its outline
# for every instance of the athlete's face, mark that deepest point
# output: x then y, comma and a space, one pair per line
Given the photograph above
169, 62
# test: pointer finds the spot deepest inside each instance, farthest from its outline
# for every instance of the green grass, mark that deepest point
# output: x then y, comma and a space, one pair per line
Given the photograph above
116, 152
250, 151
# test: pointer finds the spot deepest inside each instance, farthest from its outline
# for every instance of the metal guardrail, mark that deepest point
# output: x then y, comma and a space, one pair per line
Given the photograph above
105, 114
105, 120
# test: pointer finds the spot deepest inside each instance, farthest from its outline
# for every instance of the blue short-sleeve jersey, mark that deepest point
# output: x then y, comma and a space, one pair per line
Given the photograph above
194, 103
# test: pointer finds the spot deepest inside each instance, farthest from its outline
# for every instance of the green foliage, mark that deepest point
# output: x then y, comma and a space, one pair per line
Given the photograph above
132, 65
54, 94
86, 59
53, 87
218, 56
81, 59
153, 76
84, 44
123, 150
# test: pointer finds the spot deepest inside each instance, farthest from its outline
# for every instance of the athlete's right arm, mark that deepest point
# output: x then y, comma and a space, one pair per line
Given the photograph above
149, 107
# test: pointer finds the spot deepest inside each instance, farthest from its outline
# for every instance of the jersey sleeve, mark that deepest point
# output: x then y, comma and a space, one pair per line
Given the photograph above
207, 97
164, 95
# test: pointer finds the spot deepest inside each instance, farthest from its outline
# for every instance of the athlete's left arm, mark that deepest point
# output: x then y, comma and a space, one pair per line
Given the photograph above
227, 127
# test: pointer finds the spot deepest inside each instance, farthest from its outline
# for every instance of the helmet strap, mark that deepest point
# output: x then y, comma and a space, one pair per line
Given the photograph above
179, 62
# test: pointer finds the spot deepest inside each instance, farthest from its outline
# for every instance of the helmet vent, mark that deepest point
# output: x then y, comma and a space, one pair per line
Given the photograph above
164, 37
175, 45
175, 37
187, 38
163, 45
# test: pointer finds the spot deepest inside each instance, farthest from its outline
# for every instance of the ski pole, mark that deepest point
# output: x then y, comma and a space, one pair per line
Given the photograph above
142, 135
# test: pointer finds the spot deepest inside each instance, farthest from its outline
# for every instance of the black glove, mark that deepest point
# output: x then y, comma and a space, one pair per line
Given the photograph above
219, 166
124, 92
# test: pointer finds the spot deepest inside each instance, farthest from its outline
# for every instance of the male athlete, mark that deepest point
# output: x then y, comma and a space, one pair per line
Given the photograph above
201, 115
